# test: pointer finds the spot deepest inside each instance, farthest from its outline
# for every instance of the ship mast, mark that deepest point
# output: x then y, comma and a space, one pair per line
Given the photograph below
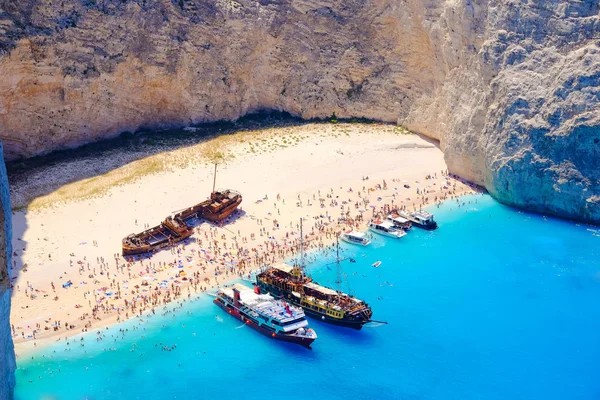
301, 249
337, 262
339, 267
214, 179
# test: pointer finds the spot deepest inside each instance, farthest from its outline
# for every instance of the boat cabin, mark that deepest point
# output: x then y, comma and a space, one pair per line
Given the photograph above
385, 226
400, 222
358, 237
423, 217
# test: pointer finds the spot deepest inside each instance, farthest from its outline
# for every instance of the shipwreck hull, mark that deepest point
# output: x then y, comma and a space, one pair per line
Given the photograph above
221, 214
175, 229
150, 242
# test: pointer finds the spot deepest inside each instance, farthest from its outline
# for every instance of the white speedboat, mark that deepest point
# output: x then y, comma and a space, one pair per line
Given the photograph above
355, 238
386, 228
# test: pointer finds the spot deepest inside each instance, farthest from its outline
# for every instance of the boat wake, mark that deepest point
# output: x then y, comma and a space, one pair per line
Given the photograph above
374, 324
595, 232
241, 326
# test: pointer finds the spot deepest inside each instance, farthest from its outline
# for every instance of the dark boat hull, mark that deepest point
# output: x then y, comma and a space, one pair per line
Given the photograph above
334, 321
303, 341
345, 322
428, 227
176, 228
134, 251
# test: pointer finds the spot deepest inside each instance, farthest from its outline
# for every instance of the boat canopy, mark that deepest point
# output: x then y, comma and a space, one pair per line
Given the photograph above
424, 215
319, 288
386, 224
283, 267
358, 235
400, 220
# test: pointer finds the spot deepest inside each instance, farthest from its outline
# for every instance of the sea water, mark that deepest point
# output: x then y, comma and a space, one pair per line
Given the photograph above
496, 304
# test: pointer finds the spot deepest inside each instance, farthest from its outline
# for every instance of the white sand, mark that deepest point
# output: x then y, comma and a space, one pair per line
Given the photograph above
320, 162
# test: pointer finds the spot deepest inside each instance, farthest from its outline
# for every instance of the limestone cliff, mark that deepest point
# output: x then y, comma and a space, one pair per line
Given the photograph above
7, 354
510, 88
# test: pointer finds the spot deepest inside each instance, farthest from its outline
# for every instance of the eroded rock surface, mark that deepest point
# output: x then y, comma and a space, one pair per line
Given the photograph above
510, 88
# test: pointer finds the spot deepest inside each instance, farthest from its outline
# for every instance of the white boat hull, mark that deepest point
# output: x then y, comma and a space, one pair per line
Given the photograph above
396, 235
365, 242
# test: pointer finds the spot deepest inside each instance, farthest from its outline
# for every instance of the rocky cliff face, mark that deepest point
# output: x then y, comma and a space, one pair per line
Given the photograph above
7, 354
510, 88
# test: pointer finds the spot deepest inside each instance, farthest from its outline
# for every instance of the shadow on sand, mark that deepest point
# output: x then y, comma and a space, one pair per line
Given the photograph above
42, 175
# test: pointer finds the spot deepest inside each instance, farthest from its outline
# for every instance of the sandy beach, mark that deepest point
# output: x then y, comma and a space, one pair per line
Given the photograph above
318, 172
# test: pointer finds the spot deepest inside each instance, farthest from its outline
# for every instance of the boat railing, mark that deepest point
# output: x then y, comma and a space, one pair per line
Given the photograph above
234, 192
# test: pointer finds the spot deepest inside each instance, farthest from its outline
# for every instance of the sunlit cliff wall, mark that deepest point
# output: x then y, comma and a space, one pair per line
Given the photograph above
510, 88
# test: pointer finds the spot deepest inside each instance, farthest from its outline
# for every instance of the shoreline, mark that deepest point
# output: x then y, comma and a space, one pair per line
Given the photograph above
259, 235
27, 347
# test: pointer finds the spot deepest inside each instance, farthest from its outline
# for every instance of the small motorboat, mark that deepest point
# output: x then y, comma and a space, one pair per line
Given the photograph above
376, 264
400, 222
355, 238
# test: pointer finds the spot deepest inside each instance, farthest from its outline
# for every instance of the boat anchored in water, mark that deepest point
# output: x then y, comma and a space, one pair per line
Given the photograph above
265, 314
326, 304
355, 237
400, 222
386, 228
421, 219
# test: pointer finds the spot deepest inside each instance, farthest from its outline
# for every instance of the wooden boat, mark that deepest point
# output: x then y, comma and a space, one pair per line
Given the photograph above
176, 228
172, 230
328, 305
220, 205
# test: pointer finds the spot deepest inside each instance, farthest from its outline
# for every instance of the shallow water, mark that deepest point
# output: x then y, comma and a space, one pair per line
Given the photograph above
496, 304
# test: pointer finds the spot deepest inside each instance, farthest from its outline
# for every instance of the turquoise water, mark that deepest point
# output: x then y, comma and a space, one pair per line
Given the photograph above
496, 304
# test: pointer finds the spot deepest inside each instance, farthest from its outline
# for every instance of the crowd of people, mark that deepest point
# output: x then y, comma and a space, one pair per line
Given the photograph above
113, 288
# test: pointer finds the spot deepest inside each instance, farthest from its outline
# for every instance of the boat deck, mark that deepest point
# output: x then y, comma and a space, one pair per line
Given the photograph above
265, 304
